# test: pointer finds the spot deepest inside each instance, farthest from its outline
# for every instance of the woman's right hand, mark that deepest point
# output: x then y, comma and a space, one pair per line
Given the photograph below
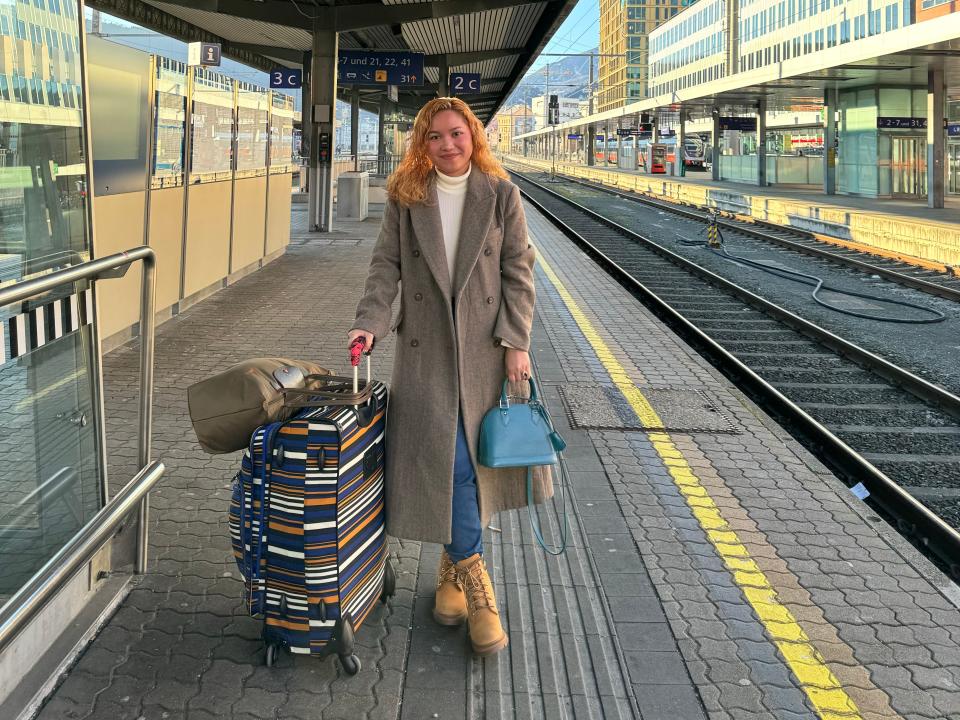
367, 336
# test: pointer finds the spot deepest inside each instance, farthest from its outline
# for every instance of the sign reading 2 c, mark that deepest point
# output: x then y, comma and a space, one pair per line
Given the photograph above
286, 78
464, 83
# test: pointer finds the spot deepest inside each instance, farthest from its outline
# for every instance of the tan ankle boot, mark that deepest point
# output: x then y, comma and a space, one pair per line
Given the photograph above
483, 620
450, 604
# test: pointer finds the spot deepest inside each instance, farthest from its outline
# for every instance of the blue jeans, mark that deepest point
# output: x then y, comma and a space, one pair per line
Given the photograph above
466, 534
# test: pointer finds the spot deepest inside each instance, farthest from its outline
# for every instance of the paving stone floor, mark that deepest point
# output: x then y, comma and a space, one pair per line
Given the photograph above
640, 618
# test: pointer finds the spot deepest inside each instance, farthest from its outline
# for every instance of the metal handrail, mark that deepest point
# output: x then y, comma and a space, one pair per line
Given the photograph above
18, 611
20, 608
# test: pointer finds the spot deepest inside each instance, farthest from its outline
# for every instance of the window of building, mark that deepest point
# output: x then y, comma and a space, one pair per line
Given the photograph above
4, 30
832, 36
844, 31
819, 36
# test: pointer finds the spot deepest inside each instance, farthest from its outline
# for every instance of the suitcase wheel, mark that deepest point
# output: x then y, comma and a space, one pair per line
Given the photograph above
273, 652
351, 664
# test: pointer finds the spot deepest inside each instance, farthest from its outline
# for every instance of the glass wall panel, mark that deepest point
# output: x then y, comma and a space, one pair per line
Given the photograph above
50, 474
857, 147
212, 130
168, 130
119, 82
281, 133
253, 104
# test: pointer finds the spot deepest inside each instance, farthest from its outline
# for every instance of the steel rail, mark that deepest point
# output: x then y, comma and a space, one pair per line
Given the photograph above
21, 608
744, 228
923, 389
25, 604
929, 529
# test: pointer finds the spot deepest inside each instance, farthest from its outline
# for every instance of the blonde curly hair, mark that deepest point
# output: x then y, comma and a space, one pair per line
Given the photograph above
408, 184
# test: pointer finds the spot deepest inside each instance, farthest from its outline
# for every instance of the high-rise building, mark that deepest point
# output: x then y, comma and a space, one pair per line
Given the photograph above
624, 28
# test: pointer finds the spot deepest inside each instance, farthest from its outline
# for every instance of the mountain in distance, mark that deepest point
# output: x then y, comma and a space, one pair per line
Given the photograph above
569, 77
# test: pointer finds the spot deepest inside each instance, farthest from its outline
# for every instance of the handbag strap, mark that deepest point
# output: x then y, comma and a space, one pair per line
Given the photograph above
535, 521
563, 479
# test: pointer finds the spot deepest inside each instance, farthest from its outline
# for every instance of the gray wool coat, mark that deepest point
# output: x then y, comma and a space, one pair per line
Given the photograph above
444, 368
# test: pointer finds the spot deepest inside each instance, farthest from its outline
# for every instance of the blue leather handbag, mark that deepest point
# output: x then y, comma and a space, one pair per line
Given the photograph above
522, 435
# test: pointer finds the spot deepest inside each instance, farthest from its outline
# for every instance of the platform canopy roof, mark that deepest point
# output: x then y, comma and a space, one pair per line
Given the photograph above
499, 39
892, 60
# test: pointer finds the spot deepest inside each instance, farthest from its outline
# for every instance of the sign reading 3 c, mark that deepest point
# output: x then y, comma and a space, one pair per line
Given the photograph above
286, 78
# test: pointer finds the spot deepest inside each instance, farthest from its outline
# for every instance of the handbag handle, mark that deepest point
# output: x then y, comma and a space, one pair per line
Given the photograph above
505, 402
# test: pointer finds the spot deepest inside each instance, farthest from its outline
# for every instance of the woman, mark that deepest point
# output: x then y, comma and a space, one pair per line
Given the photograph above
454, 232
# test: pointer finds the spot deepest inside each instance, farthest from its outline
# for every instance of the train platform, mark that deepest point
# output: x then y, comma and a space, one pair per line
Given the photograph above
900, 228
715, 569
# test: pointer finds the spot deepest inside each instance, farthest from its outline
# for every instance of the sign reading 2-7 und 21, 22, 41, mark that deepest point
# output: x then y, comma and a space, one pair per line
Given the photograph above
366, 67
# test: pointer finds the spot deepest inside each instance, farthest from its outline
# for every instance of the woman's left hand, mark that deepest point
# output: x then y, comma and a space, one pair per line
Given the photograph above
517, 364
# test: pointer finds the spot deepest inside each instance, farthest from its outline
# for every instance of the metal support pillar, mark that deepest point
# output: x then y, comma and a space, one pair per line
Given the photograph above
830, 141
762, 142
323, 94
381, 137
606, 143
306, 131
355, 127
681, 152
443, 77
619, 142
591, 142
936, 95
715, 153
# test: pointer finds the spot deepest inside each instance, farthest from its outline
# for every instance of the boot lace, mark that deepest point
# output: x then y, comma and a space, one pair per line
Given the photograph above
448, 573
478, 588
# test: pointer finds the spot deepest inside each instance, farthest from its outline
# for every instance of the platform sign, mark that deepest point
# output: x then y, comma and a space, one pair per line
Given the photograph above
204, 54
901, 123
743, 124
464, 83
574, 136
366, 67
953, 129
286, 78
626, 132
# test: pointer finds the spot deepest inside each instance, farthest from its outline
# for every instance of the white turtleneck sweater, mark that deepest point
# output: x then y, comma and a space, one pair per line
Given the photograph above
451, 194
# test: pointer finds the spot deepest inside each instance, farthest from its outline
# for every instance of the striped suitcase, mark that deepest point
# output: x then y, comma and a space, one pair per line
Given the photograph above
307, 524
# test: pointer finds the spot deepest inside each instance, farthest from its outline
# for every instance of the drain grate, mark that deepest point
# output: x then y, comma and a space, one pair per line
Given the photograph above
603, 407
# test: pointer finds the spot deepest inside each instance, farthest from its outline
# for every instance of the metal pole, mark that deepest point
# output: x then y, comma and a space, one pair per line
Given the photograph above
936, 92
443, 77
762, 142
830, 141
715, 153
355, 127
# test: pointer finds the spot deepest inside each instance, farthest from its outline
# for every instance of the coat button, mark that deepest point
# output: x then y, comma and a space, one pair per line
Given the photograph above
414, 343
488, 252
416, 253
489, 301
418, 297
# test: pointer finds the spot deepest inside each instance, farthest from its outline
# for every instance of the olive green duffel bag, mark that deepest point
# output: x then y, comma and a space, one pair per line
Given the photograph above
226, 408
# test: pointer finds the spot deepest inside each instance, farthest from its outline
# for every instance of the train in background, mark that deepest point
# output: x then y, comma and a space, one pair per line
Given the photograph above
694, 152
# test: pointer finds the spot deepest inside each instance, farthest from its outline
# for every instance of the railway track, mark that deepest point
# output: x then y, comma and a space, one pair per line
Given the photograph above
871, 421
940, 283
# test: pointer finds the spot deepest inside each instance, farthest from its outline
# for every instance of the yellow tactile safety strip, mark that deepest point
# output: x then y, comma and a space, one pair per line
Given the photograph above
817, 681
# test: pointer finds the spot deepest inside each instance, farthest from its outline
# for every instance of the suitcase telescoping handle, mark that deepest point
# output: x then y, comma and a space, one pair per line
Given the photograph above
357, 348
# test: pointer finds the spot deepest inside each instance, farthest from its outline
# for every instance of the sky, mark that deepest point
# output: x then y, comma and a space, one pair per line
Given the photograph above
580, 32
